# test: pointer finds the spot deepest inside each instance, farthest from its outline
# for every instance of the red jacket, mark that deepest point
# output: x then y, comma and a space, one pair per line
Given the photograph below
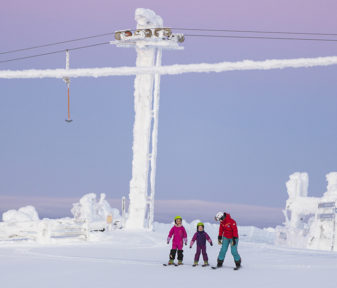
228, 228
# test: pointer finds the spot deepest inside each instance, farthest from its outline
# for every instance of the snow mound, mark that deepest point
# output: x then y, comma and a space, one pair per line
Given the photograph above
24, 214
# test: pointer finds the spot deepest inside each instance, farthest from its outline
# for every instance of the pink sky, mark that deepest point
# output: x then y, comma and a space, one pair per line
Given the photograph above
43, 20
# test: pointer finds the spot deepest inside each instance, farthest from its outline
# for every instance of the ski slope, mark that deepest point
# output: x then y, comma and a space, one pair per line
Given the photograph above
127, 259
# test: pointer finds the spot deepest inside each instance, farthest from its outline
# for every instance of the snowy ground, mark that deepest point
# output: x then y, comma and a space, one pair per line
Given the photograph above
128, 259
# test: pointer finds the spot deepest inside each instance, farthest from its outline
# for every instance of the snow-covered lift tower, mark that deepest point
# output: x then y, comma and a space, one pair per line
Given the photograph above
149, 39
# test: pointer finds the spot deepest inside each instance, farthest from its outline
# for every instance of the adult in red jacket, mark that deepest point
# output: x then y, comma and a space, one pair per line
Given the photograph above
228, 234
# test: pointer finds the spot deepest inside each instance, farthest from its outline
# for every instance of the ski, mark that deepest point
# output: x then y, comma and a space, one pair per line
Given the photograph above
165, 264
215, 267
204, 265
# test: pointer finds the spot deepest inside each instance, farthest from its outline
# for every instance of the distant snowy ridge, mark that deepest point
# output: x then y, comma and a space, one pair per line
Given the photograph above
173, 69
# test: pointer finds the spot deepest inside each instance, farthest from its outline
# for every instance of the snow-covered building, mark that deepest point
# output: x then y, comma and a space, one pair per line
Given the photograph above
310, 222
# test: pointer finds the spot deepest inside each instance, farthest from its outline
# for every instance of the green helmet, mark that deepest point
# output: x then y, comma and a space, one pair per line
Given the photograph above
176, 218
200, 224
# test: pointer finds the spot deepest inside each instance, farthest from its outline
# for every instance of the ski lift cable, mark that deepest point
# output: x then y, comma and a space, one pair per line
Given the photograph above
256, 31
176, 69
187, 35
261, 37
56, 43
173, 28
54, 52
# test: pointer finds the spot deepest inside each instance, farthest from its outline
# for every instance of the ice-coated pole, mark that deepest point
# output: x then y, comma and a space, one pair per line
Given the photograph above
143, 97
154, 140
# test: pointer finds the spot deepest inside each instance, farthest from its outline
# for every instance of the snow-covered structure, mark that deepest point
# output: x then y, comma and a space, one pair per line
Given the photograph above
310, 222
142, 126
89, 209
145, 129
299, 207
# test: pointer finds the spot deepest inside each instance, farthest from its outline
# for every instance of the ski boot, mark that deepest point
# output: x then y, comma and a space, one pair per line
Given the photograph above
219, 264
171, 262
195, 264
180, 262
205, 264
237, 264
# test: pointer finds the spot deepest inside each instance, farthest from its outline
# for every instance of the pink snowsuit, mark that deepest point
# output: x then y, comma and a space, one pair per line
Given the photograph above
179, 236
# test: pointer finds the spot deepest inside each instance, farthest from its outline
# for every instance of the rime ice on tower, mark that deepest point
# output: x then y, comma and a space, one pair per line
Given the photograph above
331, 193
299, 206
310, 221
299, 211
148, 39
323, 230
142, 125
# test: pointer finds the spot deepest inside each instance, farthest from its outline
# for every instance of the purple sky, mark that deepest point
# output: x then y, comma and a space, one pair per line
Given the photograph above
230, 138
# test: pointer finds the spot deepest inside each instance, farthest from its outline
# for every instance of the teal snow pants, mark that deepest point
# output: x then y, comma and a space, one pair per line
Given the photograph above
224, 247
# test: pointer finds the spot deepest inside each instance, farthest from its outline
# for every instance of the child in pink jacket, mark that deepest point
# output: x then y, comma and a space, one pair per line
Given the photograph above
179, 237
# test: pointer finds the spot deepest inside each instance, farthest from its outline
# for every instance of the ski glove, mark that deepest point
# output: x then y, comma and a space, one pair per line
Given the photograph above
234, 241
211, 243
219, 240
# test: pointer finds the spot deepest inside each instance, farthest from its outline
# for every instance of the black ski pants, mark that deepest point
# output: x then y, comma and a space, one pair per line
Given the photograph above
173, 254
